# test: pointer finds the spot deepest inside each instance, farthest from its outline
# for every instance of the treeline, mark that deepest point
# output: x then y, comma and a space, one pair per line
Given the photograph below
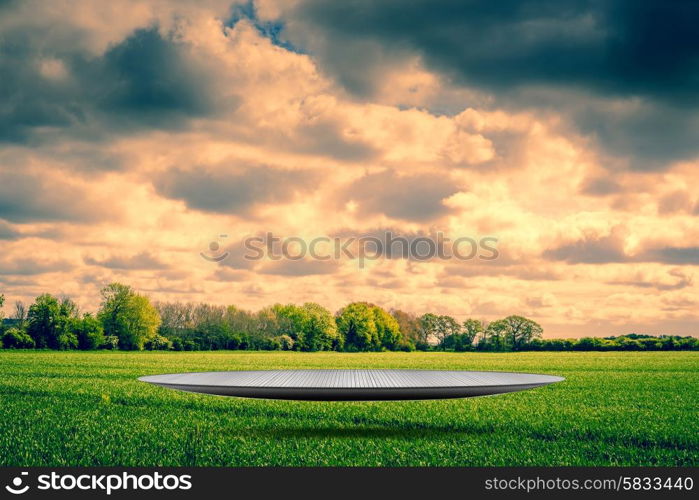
130, 321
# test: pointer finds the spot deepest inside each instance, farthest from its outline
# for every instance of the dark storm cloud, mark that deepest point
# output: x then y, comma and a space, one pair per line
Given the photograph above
590, 48
625, 47
411, 198
140, 261
33, 197
149, 78
238, 191
146, 80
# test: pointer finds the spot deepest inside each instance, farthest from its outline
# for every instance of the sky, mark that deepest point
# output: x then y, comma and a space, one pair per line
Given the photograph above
143, 141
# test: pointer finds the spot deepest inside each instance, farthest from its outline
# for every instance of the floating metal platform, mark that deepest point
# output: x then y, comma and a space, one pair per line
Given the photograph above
352, 385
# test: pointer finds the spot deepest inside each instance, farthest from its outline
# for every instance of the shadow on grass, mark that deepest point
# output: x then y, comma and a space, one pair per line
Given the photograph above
395, 431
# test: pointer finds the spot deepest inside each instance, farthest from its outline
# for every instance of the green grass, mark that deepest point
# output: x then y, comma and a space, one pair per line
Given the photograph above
88, 409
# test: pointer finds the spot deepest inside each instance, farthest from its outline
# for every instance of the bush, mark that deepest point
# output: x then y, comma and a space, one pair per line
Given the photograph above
159, 343
459, 342
286, 342
273, 344
406, 346
111, 342
422, 346
14, 338
89, 332
67, 340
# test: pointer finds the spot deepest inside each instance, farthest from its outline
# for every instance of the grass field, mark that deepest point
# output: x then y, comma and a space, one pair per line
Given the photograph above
87, 408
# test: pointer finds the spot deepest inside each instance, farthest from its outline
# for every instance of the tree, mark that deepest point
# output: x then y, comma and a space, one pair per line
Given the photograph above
409, 327
127, 315
428, 327
459, 342
513, 332
89, 332
19, 315
66, 324
471, 328
15, 338
387, 328
319, 330
446, 326
43, 321
356, 324
176, 318
290, 320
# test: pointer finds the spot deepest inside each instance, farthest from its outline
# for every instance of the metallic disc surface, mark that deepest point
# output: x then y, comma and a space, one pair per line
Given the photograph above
351, 385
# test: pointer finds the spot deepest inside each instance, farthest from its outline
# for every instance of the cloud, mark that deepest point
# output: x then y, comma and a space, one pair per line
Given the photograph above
233, 191
600, 186
139, 261
672, 255
591, 249
677, 201
7, 232
303, 267
148, 79
151, 79
28, 266
614, 53
597, 249
28, 196
412, 197
618, 48
675, 279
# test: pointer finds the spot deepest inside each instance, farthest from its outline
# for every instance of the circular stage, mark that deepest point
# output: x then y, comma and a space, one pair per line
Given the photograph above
352, 385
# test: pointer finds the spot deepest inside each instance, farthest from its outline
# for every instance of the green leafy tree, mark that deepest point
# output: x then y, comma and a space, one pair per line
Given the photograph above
43, 321
513, 333
127, 315
472, 328
67, 339
290, 320
266, 326
15, 338
319, 329
286, 342
428, 327
89, 332
459, 342
387, 329
446, 326
356, 323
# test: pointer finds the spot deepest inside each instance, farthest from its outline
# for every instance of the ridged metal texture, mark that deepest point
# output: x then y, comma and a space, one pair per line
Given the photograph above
347, 385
